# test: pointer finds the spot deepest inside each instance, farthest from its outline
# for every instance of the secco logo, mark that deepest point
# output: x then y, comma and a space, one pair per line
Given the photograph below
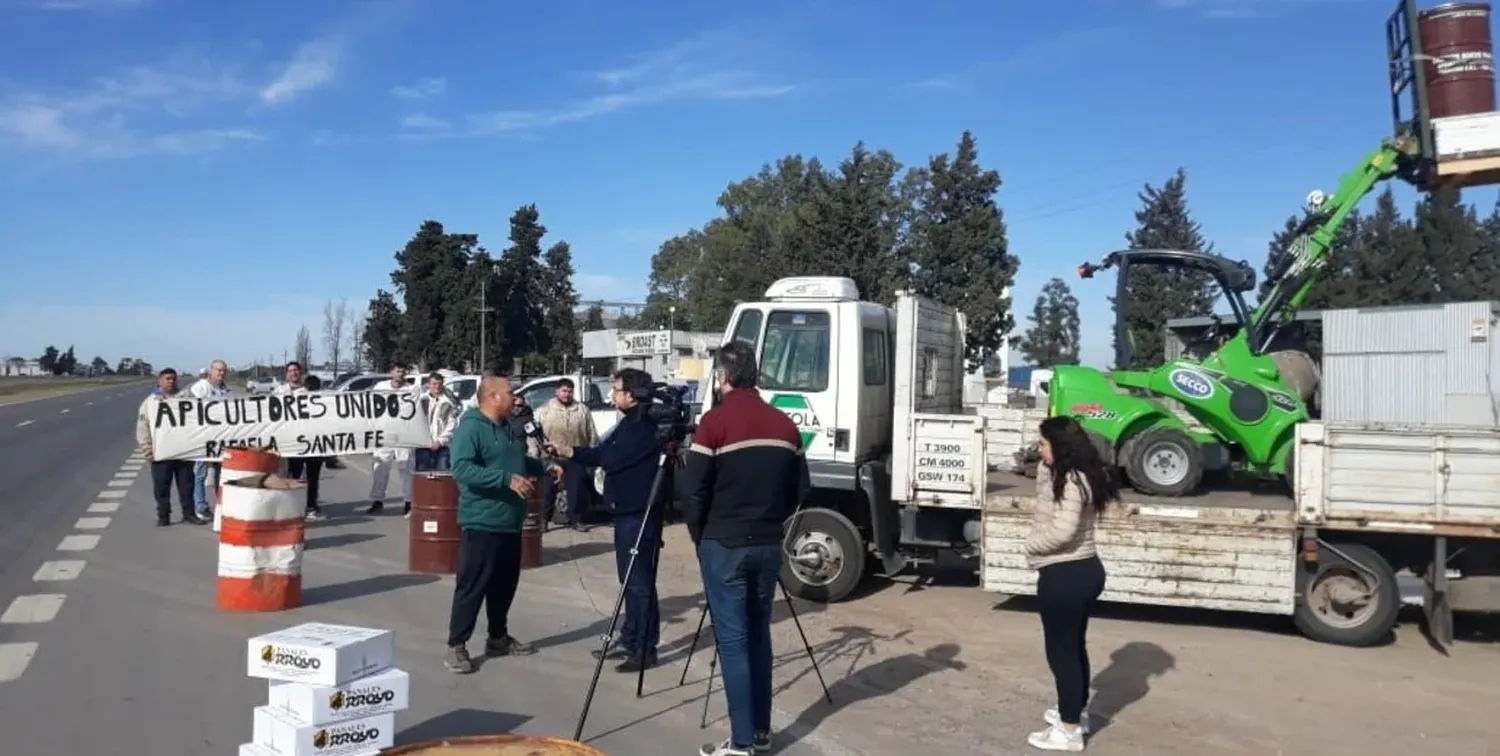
1192, 383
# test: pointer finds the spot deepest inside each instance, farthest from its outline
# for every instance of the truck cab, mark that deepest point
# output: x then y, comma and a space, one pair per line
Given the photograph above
876, 392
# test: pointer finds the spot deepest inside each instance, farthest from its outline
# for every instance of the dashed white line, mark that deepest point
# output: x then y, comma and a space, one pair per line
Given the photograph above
135, 466
64, 412
126, 474
113, 494
104, 507
88, 404
121, 483
66, 569
91, 523
33, 610
85, 542
14, 658
24, 423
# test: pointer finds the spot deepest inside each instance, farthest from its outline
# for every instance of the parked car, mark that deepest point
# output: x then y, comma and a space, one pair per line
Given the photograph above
367, 381
262, 385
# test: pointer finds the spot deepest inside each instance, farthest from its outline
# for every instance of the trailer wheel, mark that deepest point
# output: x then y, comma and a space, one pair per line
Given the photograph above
1350, 598
827, 556
1164, 462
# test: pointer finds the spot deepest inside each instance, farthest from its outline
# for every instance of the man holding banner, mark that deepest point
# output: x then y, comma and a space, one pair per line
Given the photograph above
299, 467
384, 460
165, 470
211, 386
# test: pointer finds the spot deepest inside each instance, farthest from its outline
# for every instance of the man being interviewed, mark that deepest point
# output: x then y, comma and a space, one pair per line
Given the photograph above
494, 478
746, 474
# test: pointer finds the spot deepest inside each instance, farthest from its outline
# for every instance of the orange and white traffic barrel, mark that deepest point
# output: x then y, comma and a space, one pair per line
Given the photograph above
242, 463
260, 544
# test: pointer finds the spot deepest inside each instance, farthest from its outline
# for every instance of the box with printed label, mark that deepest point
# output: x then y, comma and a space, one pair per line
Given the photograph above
282, 736
319, 654
251, 749
379, 693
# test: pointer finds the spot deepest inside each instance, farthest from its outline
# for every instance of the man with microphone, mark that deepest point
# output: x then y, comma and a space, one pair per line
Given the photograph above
630, 457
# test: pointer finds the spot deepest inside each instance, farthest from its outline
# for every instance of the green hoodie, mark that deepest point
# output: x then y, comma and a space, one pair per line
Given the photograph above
484, 456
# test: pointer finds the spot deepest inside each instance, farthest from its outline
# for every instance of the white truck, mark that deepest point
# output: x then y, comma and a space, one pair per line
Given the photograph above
898, 468
900, 473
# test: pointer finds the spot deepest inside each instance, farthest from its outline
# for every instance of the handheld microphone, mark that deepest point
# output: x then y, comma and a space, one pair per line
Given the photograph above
533, 429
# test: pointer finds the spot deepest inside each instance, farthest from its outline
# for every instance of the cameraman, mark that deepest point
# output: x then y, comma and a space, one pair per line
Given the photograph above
746, 475
630, 457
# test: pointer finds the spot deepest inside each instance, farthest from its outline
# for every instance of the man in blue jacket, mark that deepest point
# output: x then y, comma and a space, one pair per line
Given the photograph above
630, 457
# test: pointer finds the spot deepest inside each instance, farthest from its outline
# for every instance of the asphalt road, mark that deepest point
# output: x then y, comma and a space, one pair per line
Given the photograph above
111, 642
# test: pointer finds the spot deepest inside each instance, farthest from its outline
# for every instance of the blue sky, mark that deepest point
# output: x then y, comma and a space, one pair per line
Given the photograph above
187, 180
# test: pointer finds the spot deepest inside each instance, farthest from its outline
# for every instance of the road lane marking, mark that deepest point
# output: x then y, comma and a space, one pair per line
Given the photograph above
85, 542
104, 507
126, 475
88, 404
66, 569
33, 610
24, 423
113, 494
14, 657
91, 523
136, 466
121, 483
64, 412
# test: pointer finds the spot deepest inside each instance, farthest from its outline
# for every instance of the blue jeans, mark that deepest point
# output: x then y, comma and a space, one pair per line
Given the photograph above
642, 628
200, 484
740, 584
425, 460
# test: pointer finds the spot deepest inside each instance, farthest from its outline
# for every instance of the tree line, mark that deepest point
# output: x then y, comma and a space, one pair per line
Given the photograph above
1443, 252
65, 362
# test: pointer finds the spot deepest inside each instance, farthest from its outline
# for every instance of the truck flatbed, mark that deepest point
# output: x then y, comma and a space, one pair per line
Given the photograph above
1007, 491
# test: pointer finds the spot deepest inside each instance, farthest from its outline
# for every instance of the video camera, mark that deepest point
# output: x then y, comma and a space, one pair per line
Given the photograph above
666, 407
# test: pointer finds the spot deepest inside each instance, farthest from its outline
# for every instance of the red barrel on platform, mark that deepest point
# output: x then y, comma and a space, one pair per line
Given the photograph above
434, 524
1458, 58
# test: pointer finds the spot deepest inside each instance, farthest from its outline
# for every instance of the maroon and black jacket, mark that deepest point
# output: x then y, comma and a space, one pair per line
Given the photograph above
746, 472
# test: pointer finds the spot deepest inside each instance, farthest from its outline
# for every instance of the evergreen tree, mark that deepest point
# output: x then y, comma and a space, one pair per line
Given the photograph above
519, 281
479, 288
855, 218
958, 249
427, 269
48, 361
670, 283
1337, 286
1155, 295
383, 331
593, 320
67, 362
560, 303
1053, 336
1450, 242
1386, 262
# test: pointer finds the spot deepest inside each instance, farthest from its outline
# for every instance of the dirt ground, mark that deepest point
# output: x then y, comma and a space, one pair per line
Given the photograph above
931, 664
14, 389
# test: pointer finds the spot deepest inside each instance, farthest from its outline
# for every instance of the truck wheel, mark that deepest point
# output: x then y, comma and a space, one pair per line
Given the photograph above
827, 559
1165, 462
1350, 598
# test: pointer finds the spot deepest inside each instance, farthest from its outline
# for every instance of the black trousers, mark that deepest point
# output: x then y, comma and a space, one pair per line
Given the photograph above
573, 482
296, 467
1066, 594
163, 474
489, 569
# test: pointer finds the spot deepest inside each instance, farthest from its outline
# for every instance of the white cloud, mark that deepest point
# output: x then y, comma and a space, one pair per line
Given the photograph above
122, 114
423, 122
421, 89
716, 66
85, 5
313, 66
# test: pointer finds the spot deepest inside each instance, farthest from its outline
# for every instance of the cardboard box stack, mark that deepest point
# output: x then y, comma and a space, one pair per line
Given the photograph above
334, 691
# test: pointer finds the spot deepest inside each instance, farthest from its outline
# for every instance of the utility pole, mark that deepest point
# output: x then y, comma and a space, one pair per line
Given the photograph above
484, 311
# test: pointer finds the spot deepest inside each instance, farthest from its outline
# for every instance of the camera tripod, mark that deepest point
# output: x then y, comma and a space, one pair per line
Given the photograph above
663, 463
713, 661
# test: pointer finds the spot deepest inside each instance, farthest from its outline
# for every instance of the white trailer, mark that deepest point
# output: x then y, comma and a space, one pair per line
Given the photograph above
1369, 502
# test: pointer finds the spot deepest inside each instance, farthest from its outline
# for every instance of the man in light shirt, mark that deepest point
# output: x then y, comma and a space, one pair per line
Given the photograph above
385, 460
310, 468
442, 418
213, 385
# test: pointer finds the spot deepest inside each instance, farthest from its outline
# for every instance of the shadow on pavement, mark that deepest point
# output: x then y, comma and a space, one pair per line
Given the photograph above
1126, 680
878, 679
462, 722
572, 551
1167, 615
364, 587
342, 539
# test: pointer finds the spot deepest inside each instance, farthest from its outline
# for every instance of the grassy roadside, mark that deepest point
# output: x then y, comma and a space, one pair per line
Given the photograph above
14, 389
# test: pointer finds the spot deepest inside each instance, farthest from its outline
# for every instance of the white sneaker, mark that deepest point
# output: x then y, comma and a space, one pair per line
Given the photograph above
723, 749
1051, 717
1055, 738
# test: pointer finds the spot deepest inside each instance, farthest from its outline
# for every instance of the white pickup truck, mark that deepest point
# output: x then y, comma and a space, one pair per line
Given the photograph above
1369, 502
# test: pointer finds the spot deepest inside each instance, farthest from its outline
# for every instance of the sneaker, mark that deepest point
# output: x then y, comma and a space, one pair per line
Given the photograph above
375, 507
1051, 717
1056, 738
162, 522
507, 646
193, 520
724, 749
634, 663
315, 516
616, 650
761, 741
457, 661
205, 514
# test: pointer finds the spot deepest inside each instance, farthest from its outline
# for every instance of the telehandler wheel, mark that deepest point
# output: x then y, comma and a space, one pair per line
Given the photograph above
827, 556
1350, 598
1164, 462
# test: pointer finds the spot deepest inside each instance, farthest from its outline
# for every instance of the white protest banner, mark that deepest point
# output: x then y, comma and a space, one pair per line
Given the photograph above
292, 425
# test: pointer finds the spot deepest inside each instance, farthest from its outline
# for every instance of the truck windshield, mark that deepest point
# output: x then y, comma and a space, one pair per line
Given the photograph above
795, 357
